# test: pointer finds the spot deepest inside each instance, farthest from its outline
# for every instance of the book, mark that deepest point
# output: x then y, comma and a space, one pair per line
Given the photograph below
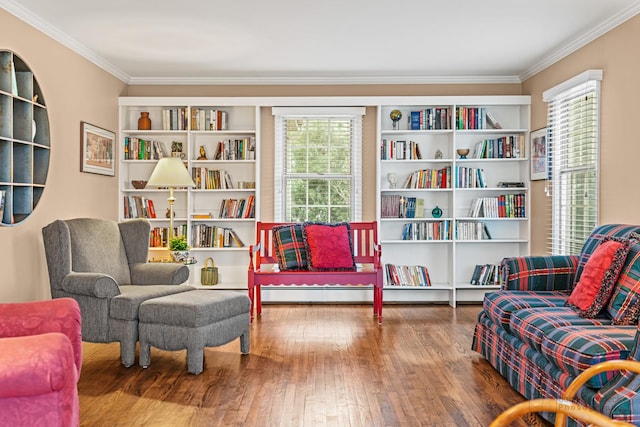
415, 120
492, 121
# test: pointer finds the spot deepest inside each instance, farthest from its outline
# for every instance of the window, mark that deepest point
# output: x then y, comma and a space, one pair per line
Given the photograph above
573, 129
318, 164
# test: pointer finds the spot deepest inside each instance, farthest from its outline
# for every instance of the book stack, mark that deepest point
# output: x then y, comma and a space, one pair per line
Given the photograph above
429, 178
211, 236
407, 275
502, 206
208, 119
396, 206
475, 118
432, 118
159, 236
399, 150
486, 274
470, 177
505, 147
211, 179
236, 149
472, 230
237, 208
138, 207
436, 230
175, 118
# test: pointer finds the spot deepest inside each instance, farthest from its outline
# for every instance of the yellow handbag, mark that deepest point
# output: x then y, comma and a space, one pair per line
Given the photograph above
209, 274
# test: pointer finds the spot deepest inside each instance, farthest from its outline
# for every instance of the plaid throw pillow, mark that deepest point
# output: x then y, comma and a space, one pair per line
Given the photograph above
289, 247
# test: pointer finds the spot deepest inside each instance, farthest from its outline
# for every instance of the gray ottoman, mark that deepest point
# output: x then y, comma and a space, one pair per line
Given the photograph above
193, 320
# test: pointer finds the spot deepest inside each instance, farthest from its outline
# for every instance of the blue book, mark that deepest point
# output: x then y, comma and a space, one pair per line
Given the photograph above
415, 120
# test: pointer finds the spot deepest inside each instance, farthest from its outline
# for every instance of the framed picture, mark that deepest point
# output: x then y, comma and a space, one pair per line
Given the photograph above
97, 150
539, 154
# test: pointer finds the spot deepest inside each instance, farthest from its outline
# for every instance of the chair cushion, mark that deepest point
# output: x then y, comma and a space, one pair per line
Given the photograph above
126, 305
573, 349
289, 246
500, 305
329, 246
599, 276
531, 325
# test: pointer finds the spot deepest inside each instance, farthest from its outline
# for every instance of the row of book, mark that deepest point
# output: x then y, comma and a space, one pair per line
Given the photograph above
143, 149
159, 236
486, 274
467, 177
236, 149
431, 119
407, 275
211, 179
211, 236
396, 206
472, 230
505, 147
502, 206
399, 150
432, 230
237, 208
138, 207
475, 118
175, 118
429, 178
208, 119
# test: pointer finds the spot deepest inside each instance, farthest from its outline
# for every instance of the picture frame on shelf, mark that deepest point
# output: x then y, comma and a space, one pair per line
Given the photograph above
539, 154
97, 148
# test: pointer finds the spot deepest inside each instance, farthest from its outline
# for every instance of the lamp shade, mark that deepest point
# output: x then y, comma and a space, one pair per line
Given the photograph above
170, 172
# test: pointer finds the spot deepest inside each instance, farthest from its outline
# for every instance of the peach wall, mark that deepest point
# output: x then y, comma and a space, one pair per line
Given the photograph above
74, 90
620, 148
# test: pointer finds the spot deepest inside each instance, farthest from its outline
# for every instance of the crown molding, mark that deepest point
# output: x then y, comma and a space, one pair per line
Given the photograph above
325, 80
632, 10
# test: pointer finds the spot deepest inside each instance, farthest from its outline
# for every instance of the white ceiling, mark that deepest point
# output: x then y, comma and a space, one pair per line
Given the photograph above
325, 41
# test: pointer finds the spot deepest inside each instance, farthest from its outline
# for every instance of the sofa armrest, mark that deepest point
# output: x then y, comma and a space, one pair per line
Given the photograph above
91, 284
36, 365
158, 273
539, 273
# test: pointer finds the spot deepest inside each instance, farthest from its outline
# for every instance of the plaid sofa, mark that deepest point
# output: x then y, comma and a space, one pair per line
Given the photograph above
539, 345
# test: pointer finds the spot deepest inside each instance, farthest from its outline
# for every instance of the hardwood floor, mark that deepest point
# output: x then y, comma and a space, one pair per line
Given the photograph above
310, 365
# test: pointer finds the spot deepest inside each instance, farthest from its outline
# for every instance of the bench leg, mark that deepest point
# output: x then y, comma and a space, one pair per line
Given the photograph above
258, 301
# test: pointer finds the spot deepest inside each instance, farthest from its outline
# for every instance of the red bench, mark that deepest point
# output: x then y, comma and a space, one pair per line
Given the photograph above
263, 266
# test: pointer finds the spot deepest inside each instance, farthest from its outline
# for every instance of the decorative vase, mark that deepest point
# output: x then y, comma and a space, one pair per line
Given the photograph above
436, 212
144, 122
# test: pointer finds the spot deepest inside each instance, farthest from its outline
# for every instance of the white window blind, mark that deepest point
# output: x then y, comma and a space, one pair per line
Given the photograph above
573, 131
318, 164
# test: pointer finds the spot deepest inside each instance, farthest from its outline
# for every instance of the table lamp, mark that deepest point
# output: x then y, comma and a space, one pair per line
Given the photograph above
170, 172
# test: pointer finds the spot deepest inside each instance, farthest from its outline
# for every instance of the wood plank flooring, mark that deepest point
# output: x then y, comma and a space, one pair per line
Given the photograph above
310, 365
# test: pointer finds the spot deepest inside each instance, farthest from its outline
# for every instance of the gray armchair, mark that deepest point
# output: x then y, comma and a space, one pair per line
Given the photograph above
103, 265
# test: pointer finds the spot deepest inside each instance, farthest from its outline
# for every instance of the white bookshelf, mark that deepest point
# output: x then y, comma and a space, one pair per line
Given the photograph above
242, 123
451, 262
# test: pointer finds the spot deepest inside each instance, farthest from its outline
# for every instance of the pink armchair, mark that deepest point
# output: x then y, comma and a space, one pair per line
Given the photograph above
40, 360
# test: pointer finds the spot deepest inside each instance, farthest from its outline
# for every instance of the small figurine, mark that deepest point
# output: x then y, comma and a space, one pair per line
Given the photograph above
203, 154
438, 154
393, 179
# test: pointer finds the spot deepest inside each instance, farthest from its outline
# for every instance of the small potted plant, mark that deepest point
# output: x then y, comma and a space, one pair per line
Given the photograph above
179, 249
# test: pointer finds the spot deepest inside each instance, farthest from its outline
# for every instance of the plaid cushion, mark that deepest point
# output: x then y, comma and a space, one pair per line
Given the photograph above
500, 304
289, 247
538, 273
531, 325
596, 237
575, 348
624, 305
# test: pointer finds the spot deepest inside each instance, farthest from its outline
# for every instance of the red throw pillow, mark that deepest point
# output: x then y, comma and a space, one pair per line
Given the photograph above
599, 276
329, 246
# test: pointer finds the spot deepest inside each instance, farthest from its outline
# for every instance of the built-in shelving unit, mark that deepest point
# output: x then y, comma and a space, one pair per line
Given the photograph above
225, 201
421, 157
24, 140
